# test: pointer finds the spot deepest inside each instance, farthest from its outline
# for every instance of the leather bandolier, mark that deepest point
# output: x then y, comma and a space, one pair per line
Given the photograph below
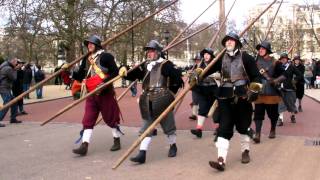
209, 80
234, 79
269, 94
156, 96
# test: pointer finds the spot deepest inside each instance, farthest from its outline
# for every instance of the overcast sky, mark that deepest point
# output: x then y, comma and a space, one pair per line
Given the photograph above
190, 9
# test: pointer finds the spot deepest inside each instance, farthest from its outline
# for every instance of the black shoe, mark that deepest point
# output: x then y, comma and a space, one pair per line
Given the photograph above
193, 117
82, 150
23, 113
15, 121
293, 119
272, 134
197, 132
140, 158
116, 144
173, 150
256, 138
300, 109
2, 125
155, 132
219, 165
280, 123
245, 158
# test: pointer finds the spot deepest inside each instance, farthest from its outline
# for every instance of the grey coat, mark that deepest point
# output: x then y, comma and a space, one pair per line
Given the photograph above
7, 75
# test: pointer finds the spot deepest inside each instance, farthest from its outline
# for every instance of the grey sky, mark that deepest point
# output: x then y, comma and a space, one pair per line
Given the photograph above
192, 8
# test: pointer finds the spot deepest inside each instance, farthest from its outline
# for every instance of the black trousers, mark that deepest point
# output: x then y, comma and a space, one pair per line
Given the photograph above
205, 96
234, 113
259, 113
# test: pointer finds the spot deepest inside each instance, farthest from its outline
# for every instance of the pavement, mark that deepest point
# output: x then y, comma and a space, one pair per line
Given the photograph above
31, 151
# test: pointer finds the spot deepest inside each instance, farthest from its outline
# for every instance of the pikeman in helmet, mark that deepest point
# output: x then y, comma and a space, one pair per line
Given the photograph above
285, 72
239, 87
102, 69
269, 98
157, 75
195, 103
205, 91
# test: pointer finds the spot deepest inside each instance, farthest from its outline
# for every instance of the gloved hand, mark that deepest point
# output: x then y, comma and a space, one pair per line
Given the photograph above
65, 66
194, 76
253, 91
123, 71
277, 80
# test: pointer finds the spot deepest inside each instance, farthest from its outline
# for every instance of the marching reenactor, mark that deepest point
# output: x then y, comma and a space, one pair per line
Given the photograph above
286, 71
239, 87
160, 81
299, 82
205, 91
269, 98
102, 69
195, 103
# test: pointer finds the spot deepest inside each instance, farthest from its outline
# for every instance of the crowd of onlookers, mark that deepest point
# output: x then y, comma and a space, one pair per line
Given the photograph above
16, 77
312, 74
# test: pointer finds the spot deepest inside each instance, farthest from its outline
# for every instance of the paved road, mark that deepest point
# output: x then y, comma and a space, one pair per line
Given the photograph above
29, 151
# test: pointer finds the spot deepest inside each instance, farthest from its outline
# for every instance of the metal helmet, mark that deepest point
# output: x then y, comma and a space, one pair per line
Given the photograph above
234, 36
197, 57
94, 39
209, 51
266, 45
297, 57
284, 55
153, 44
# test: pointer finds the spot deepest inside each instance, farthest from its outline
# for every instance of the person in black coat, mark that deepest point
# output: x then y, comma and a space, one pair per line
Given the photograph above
17, 87
299, 82
27, 78
287, 76
240, 86
160, 81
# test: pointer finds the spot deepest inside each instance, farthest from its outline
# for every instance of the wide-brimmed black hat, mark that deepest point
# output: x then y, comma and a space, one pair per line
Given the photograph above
94, 39
233, 36
266, 45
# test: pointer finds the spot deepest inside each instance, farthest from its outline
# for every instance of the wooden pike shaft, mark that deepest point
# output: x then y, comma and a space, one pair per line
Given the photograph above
273, 19
171, 106
210, 45
186, 28
104, 85
213, 40
16, 99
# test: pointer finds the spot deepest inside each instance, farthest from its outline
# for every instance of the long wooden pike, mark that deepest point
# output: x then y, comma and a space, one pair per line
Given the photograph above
292, 46
210, 44
111, 81
186, 28
171, 106
214, 38
16, 99
273, 19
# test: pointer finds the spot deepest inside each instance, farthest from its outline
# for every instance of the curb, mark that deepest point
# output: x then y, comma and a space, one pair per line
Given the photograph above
42, 101
318, 101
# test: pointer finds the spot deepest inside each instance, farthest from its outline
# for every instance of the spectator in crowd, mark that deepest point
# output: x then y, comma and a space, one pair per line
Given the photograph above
38, 77
17, 87
8, 74
316, 72
308, 74
66, 77
27, 78
58, 79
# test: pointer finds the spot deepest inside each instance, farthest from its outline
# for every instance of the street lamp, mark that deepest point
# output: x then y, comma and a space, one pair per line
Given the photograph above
166, 37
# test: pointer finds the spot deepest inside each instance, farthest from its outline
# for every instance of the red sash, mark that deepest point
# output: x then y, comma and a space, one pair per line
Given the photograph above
76, 87
92, 82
